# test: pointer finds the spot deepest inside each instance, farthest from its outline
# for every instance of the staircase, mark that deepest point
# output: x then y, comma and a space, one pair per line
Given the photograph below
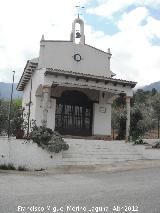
94, 152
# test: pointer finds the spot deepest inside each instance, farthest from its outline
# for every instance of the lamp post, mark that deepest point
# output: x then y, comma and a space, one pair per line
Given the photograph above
10, 107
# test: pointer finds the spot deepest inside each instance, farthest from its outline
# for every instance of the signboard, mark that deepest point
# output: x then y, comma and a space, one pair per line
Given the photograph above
102, 109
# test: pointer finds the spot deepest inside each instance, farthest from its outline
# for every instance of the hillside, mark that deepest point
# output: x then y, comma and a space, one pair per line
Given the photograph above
149, 87
5, 91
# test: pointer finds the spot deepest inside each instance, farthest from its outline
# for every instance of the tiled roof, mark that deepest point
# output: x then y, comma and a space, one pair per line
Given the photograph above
97, 78
27, 73
88, 86
32, 65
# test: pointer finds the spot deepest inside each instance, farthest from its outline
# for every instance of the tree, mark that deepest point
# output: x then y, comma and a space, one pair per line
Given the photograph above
17, 123
119, 117
156, 108
120, 101
154, 91
15, 115
141, 115
137, 128
4, 107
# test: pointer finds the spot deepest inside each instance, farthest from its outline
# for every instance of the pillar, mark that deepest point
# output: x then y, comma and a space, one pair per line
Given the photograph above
46, 92
128, 110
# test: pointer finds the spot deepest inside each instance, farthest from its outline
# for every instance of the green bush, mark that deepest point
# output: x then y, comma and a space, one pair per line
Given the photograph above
57, 143
41, 135
137, 127
47, 139
139, 141
22, 168
17, 122
156, 145
9, 166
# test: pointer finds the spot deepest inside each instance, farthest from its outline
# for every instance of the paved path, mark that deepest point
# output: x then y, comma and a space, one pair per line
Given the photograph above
94, 192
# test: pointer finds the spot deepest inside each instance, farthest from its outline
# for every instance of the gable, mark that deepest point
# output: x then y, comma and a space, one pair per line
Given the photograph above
81, 58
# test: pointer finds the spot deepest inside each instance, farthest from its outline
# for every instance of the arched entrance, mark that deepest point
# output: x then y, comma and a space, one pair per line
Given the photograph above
74, 114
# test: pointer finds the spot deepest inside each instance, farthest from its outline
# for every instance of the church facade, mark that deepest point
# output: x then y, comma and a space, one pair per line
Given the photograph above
70, 87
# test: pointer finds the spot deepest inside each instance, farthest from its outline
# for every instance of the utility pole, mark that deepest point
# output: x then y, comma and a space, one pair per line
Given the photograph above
10, 107
29, 109
158, 126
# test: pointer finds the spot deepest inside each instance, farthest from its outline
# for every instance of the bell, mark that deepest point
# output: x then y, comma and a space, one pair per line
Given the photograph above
78, 35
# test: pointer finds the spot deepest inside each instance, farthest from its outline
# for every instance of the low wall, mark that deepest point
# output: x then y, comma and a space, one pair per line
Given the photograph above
28, 155
81, 152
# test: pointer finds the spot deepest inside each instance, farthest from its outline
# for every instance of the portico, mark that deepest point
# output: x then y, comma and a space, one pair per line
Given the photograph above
80, 104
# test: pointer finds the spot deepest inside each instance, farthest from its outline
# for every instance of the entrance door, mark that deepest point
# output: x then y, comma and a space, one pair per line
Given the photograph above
74, 114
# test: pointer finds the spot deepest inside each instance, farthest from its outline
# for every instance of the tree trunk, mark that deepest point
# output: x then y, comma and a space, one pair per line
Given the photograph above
113, 133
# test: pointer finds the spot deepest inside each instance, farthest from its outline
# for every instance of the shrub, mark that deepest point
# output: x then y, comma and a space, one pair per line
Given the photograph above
9, 166
41, 135
57, 143
137, 127
22, 168
156, 145
47, 139
139, 141
17, 121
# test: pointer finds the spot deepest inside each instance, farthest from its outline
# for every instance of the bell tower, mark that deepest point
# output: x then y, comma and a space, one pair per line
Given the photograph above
78, 34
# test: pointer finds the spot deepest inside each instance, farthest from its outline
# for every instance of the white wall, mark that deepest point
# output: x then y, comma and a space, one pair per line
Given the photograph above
37, 79
28, 155
102, 114
59, 54
101, 119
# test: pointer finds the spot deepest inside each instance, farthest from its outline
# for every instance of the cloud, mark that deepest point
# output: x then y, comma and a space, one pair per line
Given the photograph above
22, 24
153, 26
134, 55
108, 8
133, 19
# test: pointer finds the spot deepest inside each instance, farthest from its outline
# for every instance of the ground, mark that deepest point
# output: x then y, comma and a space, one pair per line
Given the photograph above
120, 191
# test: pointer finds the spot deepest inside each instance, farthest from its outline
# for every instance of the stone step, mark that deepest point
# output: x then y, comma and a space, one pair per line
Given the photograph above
101, 158
99, 146
87, 152
95, 162
99, 155
97, 143
100, 150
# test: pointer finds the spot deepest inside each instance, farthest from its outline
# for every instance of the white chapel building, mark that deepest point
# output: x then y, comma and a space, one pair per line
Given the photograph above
71, 87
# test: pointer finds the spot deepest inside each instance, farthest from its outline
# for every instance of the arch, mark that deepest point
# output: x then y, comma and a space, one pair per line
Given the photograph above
74, 97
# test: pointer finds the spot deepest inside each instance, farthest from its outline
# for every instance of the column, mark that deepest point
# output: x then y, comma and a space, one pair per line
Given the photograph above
46, 92
127, 118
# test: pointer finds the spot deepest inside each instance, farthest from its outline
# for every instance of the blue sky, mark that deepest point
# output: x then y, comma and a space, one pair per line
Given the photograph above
131, 28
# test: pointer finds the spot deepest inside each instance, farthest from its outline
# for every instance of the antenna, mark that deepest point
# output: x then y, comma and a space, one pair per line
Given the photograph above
79, 8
